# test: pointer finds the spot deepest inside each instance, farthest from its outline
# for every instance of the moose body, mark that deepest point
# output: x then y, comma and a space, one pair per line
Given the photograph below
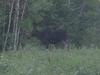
48, 37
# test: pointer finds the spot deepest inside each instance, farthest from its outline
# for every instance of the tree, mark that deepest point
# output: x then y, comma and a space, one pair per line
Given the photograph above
79, 18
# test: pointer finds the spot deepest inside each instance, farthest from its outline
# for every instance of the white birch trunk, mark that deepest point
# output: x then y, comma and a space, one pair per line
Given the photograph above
24, 6
9, 23
16, 24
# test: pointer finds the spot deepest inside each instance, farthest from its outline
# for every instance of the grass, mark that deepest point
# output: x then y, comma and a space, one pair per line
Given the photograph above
50, 62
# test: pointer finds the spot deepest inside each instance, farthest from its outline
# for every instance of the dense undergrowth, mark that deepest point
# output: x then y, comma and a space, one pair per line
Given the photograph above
34, 61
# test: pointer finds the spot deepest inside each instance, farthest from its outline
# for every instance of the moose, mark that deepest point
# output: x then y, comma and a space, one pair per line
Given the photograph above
48, 36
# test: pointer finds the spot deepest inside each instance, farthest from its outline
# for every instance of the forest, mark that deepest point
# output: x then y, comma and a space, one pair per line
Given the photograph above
78, 18
60, 36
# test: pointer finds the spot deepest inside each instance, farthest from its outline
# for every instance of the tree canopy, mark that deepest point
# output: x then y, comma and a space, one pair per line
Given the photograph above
79, 18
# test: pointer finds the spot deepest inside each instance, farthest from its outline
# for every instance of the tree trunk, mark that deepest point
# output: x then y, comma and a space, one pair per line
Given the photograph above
16, 20
9, 24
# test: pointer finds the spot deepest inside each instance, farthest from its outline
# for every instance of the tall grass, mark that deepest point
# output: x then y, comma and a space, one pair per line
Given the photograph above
34, 61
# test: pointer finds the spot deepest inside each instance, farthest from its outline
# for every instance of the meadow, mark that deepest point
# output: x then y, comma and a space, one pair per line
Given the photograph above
34, 61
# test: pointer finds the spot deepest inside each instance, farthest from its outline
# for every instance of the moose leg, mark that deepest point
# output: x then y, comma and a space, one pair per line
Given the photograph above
65, 44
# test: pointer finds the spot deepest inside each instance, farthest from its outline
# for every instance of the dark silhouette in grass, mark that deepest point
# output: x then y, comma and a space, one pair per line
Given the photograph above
48, 36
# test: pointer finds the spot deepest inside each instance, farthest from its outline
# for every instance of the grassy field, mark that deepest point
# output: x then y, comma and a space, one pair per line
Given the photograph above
34, 61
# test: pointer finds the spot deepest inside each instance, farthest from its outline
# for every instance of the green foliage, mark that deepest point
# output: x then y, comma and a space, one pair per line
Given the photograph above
34, 8
76, 17
26, 24
53, 62
80, 18
2, 22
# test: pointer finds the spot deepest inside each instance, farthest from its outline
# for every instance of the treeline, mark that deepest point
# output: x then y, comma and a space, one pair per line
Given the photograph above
79, 18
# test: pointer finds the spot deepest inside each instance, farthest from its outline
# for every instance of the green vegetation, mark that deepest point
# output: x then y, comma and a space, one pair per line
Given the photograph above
34, 61
24, 25
79, 18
